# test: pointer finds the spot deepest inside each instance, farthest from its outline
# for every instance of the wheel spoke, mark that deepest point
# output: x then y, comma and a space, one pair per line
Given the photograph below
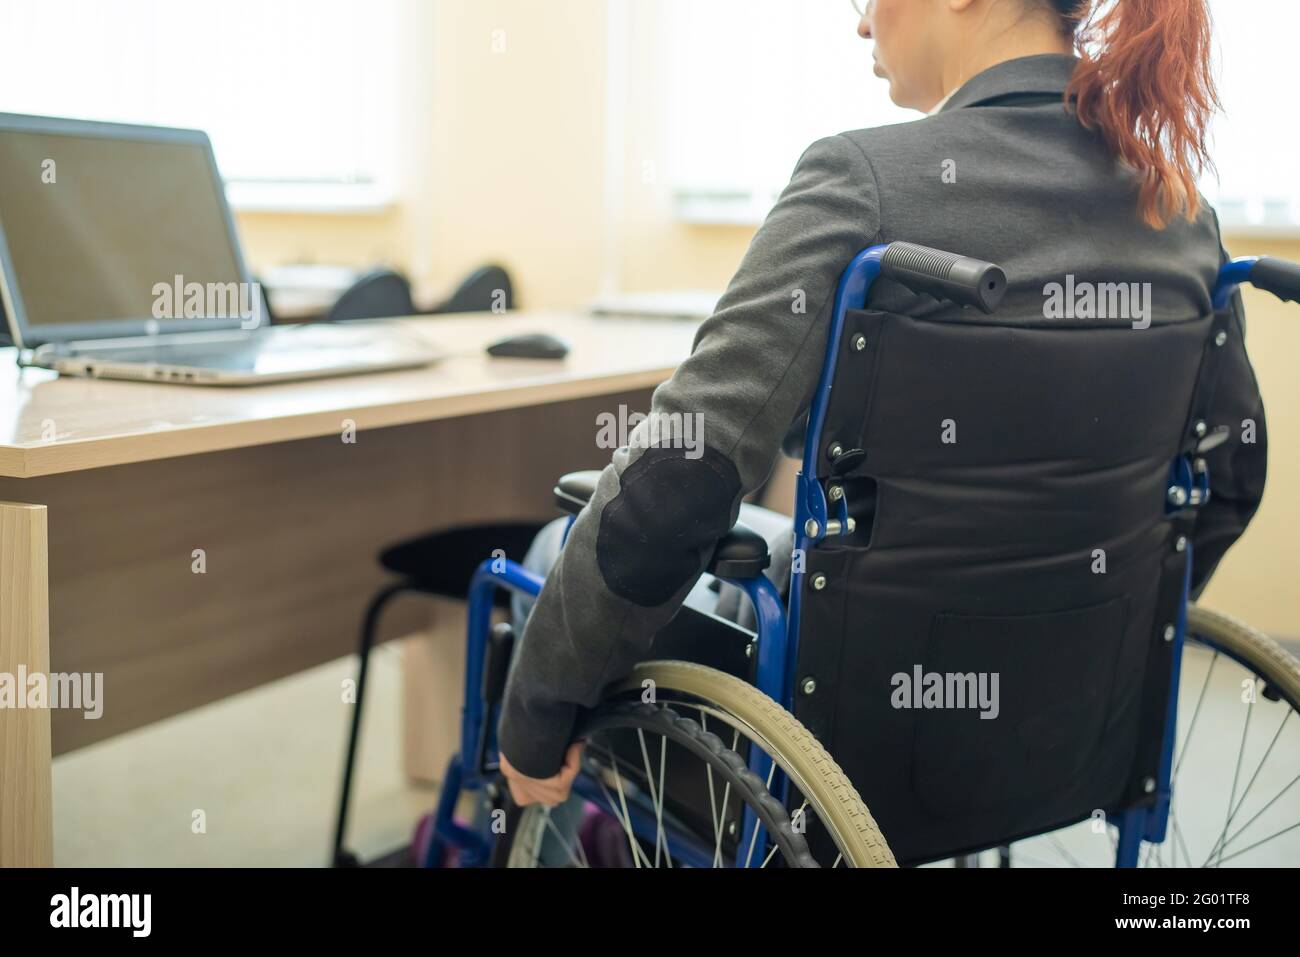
713, 803
754, 741
637, 853
800, 815
722, 811
564, 842
663, 762
613, 809
716, 813
1258, 843
753, 835
1187, 741
582, 852
1178, 839
656, 797
1258, 813
659, 832
1064, 852
1236, 776
1246, 793
1022, 858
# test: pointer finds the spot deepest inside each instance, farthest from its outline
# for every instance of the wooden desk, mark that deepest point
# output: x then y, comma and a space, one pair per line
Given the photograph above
288, 491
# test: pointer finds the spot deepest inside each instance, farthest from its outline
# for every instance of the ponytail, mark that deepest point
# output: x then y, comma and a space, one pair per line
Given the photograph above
1145, 85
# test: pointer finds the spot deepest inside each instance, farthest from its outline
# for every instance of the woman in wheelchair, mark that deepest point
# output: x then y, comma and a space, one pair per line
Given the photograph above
987, 490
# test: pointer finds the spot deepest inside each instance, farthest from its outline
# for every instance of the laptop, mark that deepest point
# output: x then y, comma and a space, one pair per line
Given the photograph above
119, 259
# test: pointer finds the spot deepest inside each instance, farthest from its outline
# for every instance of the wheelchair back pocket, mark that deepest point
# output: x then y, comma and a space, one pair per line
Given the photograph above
1011, 710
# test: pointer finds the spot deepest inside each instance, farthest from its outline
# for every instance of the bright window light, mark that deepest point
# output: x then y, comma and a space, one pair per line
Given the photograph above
752, 83
298, 96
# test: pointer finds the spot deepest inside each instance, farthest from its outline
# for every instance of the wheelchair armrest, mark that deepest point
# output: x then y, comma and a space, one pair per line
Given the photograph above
575, 490
741, 553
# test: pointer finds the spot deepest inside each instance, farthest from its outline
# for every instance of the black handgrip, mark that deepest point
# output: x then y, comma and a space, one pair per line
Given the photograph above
496, 661
1278, 276
966, 281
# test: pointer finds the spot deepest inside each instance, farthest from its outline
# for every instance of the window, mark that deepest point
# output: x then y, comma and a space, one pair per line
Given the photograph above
751, 83
298, 96
1256, 139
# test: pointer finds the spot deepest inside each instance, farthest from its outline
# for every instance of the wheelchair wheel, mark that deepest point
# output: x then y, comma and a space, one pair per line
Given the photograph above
1236, 775
666, 783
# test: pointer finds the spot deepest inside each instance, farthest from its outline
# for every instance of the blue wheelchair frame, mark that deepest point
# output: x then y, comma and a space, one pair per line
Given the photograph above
778, 629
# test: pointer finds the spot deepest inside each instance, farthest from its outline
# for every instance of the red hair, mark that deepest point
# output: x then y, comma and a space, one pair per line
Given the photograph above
1146, 85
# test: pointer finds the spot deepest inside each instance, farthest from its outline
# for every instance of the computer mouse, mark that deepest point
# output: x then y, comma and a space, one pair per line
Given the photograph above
530, 345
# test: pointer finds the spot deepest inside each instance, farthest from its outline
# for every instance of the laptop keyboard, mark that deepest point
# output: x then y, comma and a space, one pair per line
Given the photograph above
232, 354
269, 350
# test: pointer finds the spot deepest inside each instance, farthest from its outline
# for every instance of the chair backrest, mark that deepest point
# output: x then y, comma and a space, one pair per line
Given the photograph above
987, 645
379, 294
486, 289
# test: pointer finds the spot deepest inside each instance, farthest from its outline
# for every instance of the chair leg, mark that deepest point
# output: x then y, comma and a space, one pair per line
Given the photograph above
340, 857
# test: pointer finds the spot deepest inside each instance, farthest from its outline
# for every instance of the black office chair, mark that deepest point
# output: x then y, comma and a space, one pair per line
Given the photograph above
442, 564
378, 294
485, 289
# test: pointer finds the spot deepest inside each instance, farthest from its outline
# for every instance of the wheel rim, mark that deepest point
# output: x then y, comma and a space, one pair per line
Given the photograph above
760, 722
639, 797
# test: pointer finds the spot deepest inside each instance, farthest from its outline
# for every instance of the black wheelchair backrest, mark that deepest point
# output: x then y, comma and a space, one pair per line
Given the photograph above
987, 645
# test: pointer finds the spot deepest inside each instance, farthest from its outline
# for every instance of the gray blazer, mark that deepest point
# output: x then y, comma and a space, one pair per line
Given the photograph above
1004, 173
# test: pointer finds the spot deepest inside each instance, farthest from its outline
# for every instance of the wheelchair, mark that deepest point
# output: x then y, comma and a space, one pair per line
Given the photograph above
843, 729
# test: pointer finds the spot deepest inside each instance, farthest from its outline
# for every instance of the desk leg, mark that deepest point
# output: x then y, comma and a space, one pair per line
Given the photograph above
433, 682
26, 792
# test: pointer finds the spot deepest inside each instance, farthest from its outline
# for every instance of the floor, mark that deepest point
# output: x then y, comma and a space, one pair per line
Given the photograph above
252, 780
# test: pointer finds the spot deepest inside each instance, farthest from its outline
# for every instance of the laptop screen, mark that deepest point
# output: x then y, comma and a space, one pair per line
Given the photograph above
105, 233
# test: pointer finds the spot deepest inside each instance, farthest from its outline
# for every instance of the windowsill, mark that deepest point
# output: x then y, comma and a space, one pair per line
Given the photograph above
310, 198
739, 209
1246, 230
706, 209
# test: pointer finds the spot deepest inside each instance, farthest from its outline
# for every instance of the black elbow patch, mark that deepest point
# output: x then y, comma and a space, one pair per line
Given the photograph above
670, 510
